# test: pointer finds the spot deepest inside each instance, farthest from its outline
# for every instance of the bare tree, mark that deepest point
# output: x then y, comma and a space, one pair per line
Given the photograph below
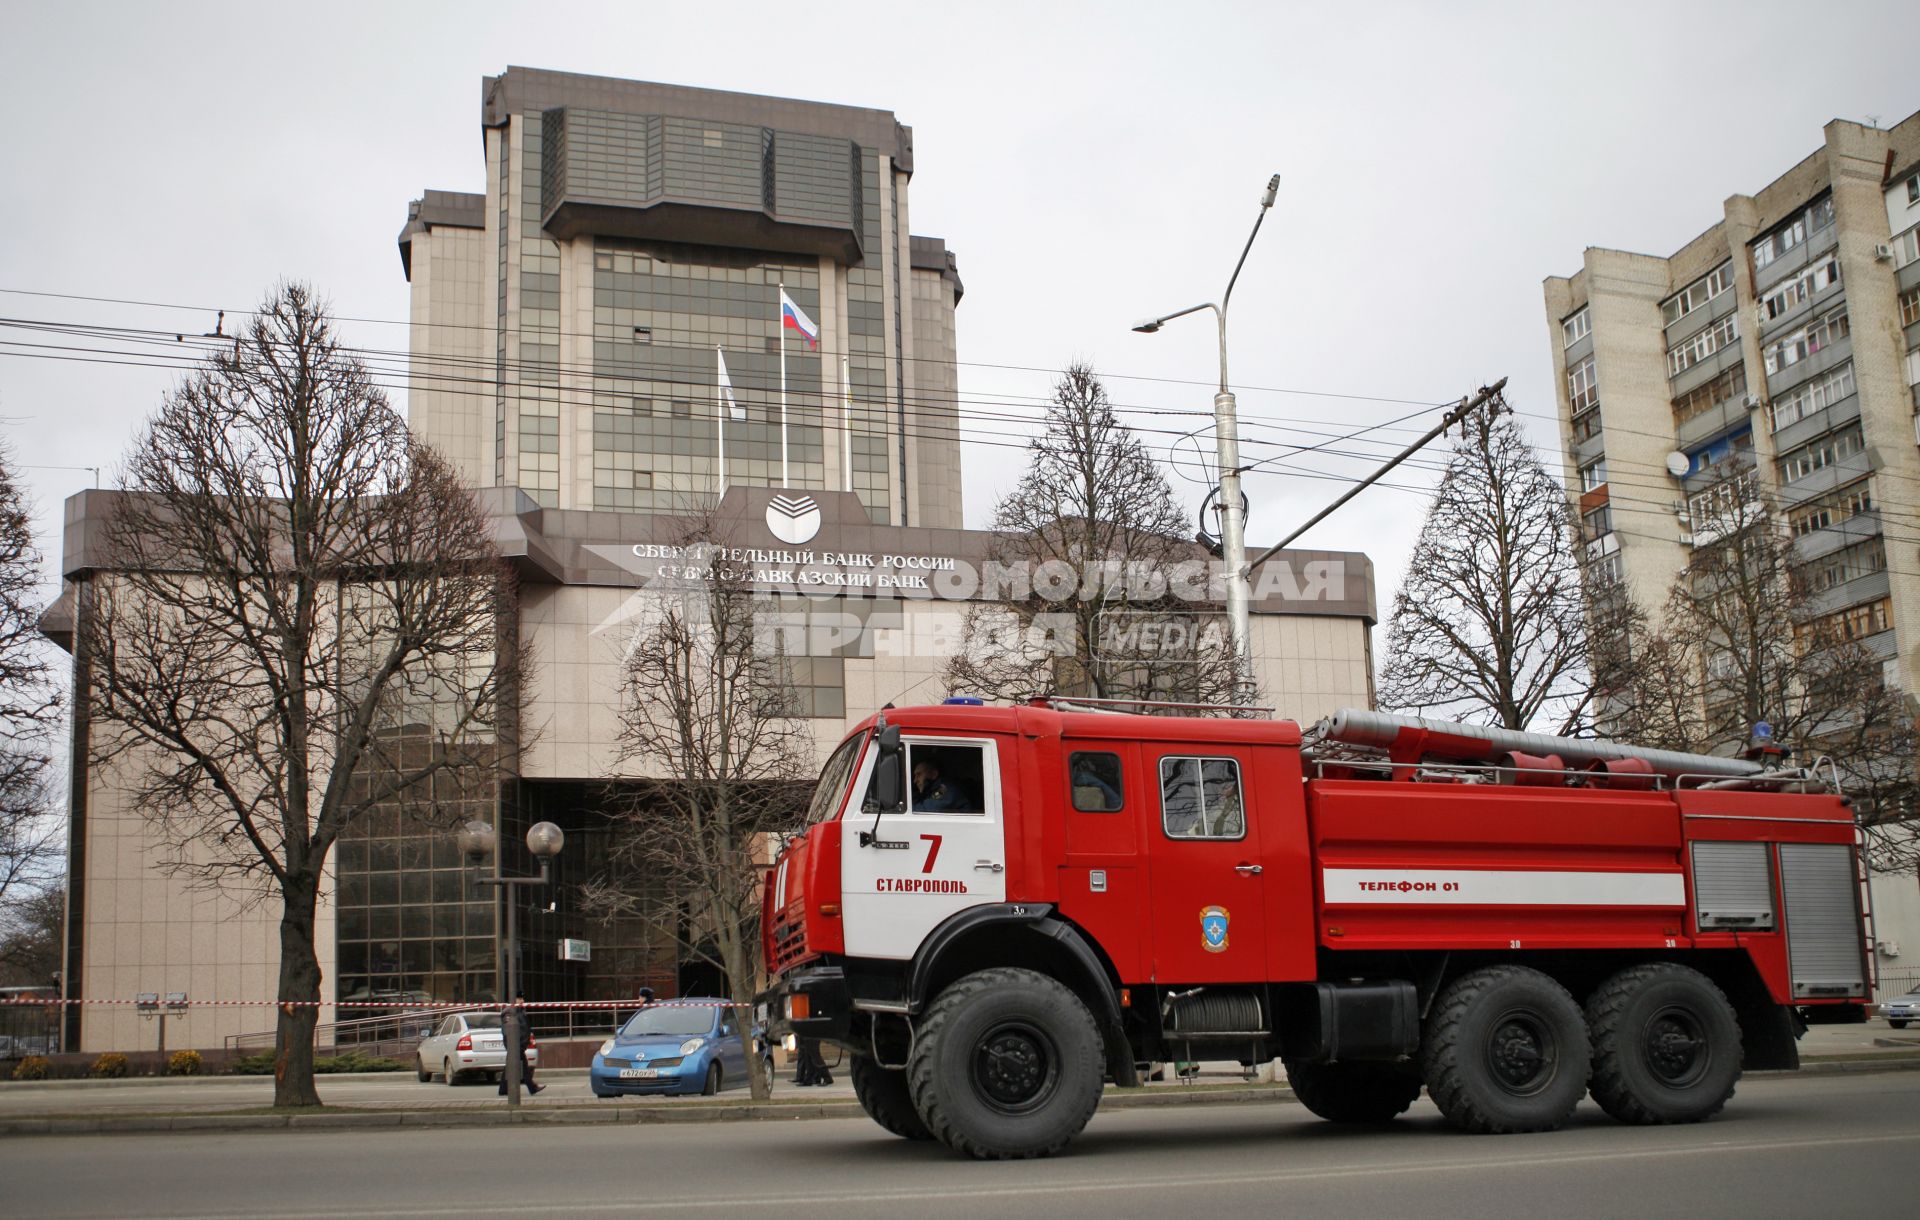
31, 846
1489, 625
299, 619
30, 944
712, 715
1767, 649
1746, 638
1647, 683
1101, 598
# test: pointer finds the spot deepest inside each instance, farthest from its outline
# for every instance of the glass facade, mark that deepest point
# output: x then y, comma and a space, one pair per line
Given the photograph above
410, 925
660, 314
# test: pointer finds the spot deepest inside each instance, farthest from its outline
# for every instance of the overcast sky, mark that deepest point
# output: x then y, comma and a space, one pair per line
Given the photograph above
1089, 164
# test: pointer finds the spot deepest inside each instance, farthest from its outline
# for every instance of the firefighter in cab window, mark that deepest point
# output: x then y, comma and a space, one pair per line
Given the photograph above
934, 792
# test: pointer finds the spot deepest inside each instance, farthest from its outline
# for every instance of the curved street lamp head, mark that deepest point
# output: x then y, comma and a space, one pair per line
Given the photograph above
1147, 328
476, 839
1273, 189
545, 839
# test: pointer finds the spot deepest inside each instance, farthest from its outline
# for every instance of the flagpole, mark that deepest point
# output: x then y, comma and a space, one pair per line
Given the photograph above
720, 422
846, 422
783, 385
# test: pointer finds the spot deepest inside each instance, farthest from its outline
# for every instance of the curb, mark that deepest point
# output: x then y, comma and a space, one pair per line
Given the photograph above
722, 1112
122, 1082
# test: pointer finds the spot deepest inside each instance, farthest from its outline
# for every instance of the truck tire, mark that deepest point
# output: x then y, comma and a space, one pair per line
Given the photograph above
882, 1093
1505, 1051
1666, 1045
1354, 1092
1006, 1065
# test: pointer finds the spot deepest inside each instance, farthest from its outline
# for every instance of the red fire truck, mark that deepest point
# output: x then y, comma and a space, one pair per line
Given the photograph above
995, 910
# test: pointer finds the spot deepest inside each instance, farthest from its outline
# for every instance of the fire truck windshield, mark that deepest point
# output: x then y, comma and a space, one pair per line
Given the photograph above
833, 780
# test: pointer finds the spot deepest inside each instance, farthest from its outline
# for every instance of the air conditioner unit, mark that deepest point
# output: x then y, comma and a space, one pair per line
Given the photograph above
1889, 948
1753, 401
1883, 252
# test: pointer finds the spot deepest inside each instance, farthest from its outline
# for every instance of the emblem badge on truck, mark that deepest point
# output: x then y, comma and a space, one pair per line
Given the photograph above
1213, 929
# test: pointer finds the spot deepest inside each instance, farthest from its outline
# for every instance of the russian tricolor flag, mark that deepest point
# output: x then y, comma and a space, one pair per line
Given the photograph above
792, 317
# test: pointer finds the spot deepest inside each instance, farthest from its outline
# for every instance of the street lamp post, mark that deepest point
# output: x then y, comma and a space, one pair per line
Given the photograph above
478, 841
1233, 523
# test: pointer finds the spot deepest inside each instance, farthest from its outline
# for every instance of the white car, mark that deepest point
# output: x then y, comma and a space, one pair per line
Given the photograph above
466, 1042
1902, 1010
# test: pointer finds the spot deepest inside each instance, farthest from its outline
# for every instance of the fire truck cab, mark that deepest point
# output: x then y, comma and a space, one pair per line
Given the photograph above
996, 910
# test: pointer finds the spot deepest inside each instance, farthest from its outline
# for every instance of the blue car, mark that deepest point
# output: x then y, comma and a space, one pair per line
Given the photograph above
682, 1046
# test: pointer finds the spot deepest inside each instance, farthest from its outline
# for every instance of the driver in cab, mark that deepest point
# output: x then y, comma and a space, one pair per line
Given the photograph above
934, 794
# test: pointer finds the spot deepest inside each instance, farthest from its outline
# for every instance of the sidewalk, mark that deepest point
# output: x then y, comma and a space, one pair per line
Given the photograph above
1827, 1049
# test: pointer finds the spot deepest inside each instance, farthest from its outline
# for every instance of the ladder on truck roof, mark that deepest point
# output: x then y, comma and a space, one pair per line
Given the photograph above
1078, 703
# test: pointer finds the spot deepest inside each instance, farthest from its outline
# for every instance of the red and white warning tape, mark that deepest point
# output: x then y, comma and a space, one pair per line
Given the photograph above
387, 1005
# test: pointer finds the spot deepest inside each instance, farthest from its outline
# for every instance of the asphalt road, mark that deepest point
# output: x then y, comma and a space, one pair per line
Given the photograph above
1835, 1145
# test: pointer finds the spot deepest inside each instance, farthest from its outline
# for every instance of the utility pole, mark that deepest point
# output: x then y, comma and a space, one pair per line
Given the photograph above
1459, 411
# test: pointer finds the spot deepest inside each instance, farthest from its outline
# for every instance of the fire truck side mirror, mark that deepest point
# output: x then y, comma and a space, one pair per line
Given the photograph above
887, 780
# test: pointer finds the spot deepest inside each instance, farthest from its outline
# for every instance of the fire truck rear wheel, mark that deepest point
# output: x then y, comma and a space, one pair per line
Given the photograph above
882, 1093
1354, 1092
1666, 1045
1006, 1065
1505, 1051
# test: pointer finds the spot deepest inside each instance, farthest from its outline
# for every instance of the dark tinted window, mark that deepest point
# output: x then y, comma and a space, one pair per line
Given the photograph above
945, 778
1094, 777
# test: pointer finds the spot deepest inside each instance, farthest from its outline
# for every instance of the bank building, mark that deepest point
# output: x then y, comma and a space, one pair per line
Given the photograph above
655, 297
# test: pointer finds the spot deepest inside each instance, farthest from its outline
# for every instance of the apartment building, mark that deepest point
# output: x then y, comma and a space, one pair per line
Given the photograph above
1778, 351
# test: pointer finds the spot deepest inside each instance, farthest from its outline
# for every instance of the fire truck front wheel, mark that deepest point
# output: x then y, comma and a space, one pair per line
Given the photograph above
882, 1093
1006, 1065
1505, 1051
1356, 1092
1666, 1045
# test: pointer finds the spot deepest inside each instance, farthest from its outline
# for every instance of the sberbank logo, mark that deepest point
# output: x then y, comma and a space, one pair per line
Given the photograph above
793, 519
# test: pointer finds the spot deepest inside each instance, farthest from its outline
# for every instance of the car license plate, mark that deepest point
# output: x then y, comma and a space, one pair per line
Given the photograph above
639, 1073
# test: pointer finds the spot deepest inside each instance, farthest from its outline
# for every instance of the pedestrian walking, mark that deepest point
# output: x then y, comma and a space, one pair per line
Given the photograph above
517, 1034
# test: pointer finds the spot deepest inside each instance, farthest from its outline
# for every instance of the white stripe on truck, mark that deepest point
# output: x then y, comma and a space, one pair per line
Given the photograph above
1493, 887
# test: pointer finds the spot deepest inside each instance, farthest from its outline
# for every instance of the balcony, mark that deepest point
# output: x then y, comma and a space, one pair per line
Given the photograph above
1698, 375
1711, 423
1861, 589
1824, 480
1836, 352
1825, 420
1818, 242
1773, 327
1735, 465
1857, 528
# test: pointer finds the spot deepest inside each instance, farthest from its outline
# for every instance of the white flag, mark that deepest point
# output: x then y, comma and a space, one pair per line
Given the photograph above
734, 409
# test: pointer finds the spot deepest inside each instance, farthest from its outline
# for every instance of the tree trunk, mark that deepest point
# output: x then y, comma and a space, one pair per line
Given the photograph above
299, 998
740, 985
